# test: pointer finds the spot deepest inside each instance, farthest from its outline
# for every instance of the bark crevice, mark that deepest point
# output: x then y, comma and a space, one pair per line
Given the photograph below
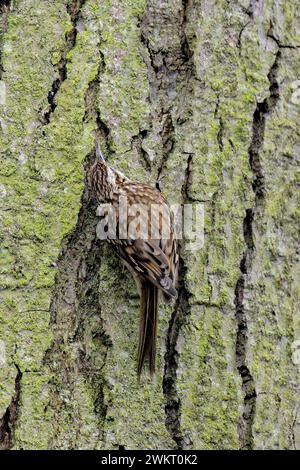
9, 420
173, 402
258, 129
220, 132
178, 319
5, 8
102, 131
262, 110
137, 143
169, 67
74, 10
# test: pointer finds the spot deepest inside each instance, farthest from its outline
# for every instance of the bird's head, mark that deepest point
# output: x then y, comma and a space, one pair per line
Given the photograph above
103, 179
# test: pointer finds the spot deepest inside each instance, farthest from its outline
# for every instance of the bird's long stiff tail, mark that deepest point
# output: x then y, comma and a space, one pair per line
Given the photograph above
148, 326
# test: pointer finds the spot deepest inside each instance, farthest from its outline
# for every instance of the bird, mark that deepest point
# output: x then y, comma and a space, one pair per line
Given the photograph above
152, 259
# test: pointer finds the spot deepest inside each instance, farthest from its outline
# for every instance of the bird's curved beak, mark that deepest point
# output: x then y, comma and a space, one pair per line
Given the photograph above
99, 153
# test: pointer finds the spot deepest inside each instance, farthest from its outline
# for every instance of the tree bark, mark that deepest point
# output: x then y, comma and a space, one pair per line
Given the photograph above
201, 99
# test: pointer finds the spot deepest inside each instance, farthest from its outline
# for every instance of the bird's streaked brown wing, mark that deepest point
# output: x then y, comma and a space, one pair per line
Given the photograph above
155, 257
146, 257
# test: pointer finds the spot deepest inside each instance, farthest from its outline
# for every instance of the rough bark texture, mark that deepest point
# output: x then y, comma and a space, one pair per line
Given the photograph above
196, 97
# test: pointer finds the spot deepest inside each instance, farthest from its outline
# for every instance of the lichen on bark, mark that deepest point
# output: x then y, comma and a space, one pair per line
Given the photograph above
197, 99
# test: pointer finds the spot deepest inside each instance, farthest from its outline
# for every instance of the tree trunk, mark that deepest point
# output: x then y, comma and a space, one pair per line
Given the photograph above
200, 98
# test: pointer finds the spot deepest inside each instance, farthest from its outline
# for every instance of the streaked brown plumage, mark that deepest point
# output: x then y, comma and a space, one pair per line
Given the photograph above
153, 261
